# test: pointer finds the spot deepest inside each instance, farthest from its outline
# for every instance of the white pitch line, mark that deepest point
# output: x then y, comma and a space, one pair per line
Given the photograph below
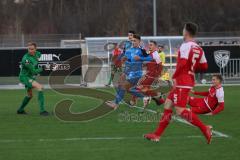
217, 133
91, 139
220, 134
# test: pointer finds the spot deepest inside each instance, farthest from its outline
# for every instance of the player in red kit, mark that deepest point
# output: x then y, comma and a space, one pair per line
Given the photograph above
191, 58
117, 64
153, 72
213, 102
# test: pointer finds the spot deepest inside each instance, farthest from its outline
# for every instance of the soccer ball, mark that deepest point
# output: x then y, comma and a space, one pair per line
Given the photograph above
203, 81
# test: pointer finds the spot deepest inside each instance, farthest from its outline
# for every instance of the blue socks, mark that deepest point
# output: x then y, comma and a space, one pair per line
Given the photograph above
120, 95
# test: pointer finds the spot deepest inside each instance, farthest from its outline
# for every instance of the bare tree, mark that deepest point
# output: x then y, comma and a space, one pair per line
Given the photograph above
115, 17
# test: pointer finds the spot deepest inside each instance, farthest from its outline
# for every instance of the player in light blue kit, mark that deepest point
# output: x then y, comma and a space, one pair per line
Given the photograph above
128, 43
116, 58
133, 58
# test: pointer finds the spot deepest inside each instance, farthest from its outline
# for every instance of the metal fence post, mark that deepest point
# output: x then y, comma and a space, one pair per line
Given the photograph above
23, 40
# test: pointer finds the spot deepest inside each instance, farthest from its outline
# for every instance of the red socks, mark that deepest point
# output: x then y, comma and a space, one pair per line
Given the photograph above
187, 115
166, 118
193, 119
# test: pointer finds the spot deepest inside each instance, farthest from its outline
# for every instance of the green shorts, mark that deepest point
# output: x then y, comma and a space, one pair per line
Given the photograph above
27, 81
116, 69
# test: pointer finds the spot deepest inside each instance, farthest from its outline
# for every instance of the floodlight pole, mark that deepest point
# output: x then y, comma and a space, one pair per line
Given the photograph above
154, 18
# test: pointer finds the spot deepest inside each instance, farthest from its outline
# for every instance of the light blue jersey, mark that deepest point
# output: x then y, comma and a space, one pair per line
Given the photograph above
127, 45
133, 68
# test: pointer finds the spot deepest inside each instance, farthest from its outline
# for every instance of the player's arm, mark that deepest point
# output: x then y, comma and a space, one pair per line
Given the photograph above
220, 107
203, 65
144, 56
157, 58
30, 67
146, 59
182, 60
33, 70
200, 93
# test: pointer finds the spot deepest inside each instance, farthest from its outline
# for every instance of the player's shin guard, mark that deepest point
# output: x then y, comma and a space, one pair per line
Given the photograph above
24, 103
41, 101
166, 118
193, 119
120, 95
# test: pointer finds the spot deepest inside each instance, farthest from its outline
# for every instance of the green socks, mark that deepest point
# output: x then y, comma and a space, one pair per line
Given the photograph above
24, 103
41, 101
110, 80
27, 99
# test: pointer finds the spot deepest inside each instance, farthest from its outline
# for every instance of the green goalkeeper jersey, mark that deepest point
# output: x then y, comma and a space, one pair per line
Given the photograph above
29, 65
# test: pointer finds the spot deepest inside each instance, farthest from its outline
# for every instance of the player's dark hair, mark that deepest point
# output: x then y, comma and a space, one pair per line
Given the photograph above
218, 76
192, 28
32, 44
131, 31
137, 36
154, 42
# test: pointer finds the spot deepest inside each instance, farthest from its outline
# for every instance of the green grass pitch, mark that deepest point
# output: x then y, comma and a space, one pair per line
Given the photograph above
110, 137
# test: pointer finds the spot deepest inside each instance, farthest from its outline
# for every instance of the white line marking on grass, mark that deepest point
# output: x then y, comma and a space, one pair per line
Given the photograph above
217, 133
97, 138
220, 134
93, 139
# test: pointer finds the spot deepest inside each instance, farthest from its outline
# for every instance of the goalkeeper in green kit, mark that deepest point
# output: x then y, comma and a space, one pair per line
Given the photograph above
29, 70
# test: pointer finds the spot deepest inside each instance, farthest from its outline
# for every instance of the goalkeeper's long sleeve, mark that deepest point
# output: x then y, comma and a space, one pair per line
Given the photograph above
33, 70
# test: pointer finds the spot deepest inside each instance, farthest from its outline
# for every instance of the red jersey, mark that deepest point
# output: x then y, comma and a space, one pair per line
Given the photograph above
214, 99
191, 58
117, 62
154, 67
